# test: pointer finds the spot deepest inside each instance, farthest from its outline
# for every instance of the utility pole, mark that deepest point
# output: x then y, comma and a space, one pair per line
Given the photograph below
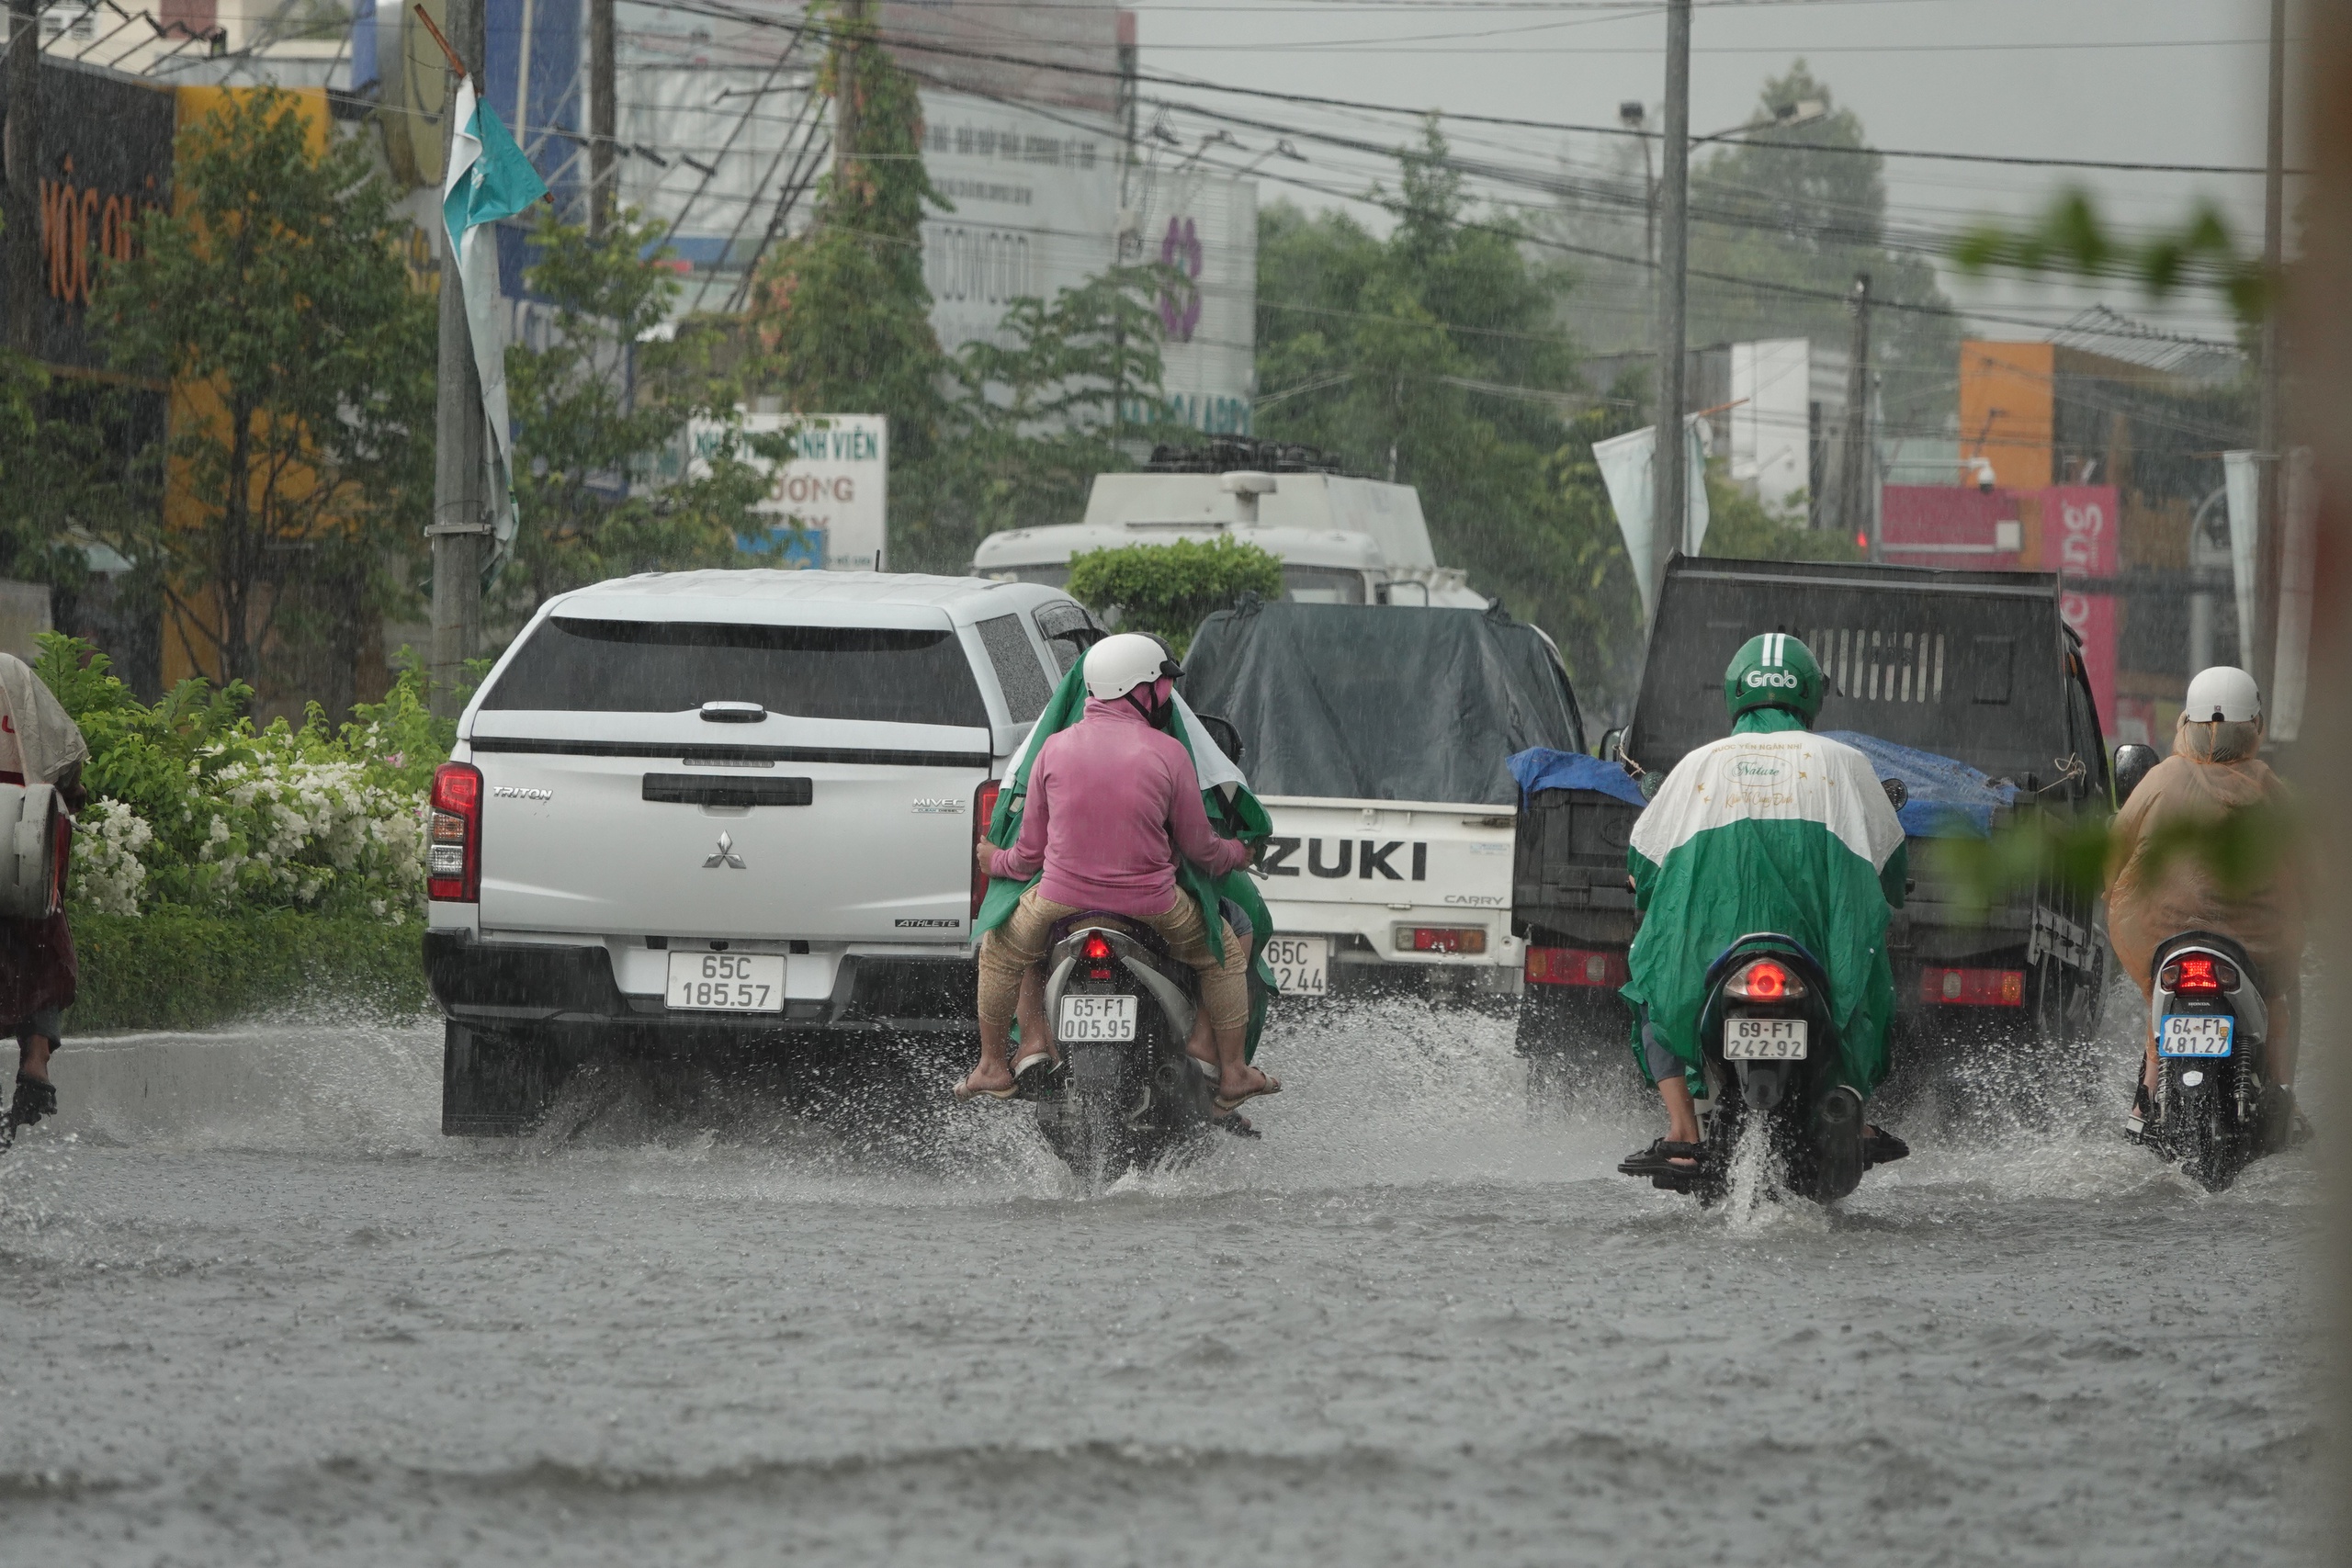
22, 165
604, 114
460, 525
1670, 517
2271, 464
1859, 513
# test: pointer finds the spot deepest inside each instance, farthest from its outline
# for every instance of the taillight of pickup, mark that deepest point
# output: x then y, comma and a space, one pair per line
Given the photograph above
983, 807
453, 837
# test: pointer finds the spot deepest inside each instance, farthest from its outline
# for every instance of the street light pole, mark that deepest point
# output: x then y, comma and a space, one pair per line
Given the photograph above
1670, 518
21, 165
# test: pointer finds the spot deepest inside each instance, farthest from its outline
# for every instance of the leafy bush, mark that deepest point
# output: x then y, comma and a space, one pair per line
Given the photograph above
1167, 590
197, 809
181, 969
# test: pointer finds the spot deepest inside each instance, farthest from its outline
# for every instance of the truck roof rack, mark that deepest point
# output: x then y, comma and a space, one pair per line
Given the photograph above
1240, 454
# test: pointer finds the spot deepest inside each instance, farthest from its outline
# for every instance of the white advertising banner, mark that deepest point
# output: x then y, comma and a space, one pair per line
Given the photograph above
1629, 470
1035, 195
836, 487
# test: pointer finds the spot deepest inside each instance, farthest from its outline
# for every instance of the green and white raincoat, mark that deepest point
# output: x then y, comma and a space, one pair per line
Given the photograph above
1772, 829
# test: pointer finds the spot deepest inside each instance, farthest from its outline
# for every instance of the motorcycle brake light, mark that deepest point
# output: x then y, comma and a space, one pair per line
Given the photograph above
2197, 974
1096, 950
1766, 980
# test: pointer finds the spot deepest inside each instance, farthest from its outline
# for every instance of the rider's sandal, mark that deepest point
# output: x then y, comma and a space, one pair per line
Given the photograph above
1882, 1147
2143, 1112
1031, 1063
1659, 1158
968, 1091
1235, 1124
1226, 1106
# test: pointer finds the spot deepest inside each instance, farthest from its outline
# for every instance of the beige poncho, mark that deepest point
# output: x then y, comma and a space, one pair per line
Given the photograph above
39, 729
2212, 770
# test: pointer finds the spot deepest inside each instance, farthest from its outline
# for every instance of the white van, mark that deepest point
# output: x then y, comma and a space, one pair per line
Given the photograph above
712, 806
1342, 540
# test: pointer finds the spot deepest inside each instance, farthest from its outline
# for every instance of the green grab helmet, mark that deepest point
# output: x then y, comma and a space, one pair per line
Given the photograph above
1774, 669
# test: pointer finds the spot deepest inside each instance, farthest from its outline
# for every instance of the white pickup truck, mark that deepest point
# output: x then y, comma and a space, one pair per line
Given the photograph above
1378, 742
711, 806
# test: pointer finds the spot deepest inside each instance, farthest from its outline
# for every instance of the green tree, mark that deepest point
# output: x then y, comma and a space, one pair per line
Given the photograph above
1167, 590
272, 295
1039, 414
1435, 356
841, 313
1798, 209
600, 406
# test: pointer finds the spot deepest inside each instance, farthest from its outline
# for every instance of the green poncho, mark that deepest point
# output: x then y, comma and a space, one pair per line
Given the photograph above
1232, 810
1769, 830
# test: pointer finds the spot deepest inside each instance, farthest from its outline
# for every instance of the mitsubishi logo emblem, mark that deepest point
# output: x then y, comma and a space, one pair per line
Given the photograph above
726, 855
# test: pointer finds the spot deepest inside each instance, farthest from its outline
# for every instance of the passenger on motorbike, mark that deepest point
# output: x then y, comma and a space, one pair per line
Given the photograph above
2157, 893
1771, 828
1112, 801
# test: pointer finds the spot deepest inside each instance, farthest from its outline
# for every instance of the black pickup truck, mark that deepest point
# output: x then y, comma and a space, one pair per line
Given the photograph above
1975, 665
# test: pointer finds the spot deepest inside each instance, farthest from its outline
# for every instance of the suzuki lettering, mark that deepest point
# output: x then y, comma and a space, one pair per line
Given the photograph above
1368, 860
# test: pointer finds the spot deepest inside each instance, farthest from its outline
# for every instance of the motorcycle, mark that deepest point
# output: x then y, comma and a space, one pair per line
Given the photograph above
1124, 1093
1768, 1048
2213, 1110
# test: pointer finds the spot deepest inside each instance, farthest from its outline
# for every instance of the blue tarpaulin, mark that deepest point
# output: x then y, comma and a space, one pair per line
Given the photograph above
1949, 798
1539, 767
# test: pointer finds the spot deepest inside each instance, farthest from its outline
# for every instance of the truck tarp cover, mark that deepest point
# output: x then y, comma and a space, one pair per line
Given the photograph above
1961, 664
1366, 703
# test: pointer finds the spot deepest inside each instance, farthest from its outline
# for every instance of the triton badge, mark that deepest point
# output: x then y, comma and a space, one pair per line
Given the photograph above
726, 855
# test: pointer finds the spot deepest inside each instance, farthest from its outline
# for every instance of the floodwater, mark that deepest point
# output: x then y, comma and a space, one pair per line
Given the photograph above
259, 1311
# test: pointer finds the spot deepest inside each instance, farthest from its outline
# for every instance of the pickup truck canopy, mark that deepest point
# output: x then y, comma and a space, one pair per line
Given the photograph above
1359, 703
1969, 665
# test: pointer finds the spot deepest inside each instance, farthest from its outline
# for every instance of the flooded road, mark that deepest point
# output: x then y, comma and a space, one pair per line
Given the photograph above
278, 1319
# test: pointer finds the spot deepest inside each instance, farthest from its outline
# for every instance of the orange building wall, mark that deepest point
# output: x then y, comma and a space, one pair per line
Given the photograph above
2008, 410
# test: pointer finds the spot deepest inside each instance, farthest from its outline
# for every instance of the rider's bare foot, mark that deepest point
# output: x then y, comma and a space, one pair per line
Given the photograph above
1246, 1084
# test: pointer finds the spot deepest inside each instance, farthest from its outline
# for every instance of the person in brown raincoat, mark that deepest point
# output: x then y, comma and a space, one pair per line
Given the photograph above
2213, 772
40, 743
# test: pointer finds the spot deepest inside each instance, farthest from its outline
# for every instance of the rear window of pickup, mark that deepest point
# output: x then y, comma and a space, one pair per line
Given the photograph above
882, 674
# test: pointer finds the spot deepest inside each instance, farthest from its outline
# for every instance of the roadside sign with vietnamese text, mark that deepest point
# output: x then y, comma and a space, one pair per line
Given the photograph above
831, 498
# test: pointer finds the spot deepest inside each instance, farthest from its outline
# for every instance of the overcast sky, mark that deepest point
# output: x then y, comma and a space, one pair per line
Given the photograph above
2166, 81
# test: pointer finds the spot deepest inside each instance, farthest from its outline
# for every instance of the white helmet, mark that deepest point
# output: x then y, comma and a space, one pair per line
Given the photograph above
2223, 695
1117, 665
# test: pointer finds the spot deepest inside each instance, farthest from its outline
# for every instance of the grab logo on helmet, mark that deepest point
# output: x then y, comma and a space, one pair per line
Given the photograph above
1757, 680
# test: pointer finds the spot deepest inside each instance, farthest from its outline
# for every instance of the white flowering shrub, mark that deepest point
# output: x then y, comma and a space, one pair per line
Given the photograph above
195, 809
108, 874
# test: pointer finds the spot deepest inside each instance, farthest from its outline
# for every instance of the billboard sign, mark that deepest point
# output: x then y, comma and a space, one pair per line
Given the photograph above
106, 146
1202, 227
835, 487
1035, 195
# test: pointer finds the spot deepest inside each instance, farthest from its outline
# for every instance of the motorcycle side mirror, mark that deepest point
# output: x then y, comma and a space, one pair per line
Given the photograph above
2133, 763
1222, 731
1898, 794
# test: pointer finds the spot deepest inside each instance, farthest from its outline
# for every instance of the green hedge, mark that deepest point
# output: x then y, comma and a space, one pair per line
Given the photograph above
172, 969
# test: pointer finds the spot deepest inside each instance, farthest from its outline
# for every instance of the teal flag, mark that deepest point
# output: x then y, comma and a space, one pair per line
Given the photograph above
489, 179
1233, 812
